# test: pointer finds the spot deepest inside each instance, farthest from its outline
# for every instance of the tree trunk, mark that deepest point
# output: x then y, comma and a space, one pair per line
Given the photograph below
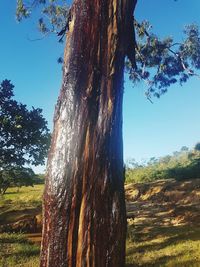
84, 207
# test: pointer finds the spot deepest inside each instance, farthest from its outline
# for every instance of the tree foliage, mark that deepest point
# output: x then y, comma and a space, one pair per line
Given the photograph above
54, 14
24, 135
163, 62
197, 147
159, 62
24, 139
16, 176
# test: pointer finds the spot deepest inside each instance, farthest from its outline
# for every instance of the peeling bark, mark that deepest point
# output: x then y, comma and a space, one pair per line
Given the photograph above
84, 207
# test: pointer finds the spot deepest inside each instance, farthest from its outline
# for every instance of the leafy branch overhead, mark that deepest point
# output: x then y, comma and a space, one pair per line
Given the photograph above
54, 14
162, 62
158, 62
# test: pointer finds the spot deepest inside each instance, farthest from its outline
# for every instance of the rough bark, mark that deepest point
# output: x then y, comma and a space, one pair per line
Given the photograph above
84, 207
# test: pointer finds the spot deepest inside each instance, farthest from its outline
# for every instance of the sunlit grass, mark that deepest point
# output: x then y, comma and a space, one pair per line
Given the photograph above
163, 246
147, 245
16, 251
16, 202
30, 194
175, 246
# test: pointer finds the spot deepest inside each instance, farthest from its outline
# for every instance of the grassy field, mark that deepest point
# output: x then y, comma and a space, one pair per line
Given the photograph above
17, 203
22, 197
16, 250
175, 246
147, 245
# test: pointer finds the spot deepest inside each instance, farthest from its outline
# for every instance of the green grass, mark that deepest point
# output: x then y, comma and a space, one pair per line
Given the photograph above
17, 251
15, 204
147, 245
175, 246
25, 195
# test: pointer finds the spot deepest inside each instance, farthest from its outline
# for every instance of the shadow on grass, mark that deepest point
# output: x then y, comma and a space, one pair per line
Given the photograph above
26, 251
12, 216
15, 249
171, 233
12, 238
13, 193
150, 240
163, 261
155, 263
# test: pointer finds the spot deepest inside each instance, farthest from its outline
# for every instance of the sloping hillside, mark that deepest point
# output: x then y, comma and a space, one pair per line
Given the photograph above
163, 224
166, 202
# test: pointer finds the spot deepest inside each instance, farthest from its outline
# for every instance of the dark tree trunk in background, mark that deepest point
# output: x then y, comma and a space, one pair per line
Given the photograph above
84, 206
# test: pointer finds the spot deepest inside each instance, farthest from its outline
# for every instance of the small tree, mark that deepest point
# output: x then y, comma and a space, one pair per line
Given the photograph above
24, 138
16, 176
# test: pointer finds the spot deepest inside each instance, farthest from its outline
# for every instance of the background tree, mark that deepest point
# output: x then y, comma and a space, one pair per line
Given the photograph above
84, 210
24, 138
16, 176
197, 147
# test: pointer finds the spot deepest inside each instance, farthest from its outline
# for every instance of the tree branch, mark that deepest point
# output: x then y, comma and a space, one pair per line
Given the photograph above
65, 28
189, 71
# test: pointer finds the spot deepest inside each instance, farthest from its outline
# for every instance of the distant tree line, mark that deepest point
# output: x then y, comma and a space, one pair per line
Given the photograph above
181, 165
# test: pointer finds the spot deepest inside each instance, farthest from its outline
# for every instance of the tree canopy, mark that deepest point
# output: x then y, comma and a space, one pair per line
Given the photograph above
158, 62
16, 176
24, 135
24, 139
163, 62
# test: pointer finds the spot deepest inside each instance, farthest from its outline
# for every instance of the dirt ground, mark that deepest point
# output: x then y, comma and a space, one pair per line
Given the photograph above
164, 202
161, 203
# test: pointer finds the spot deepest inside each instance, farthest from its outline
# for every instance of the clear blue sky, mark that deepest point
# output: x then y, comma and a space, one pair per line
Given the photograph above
149, 130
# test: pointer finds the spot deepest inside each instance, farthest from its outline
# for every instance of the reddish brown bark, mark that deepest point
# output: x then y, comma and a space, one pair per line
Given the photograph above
84, 207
